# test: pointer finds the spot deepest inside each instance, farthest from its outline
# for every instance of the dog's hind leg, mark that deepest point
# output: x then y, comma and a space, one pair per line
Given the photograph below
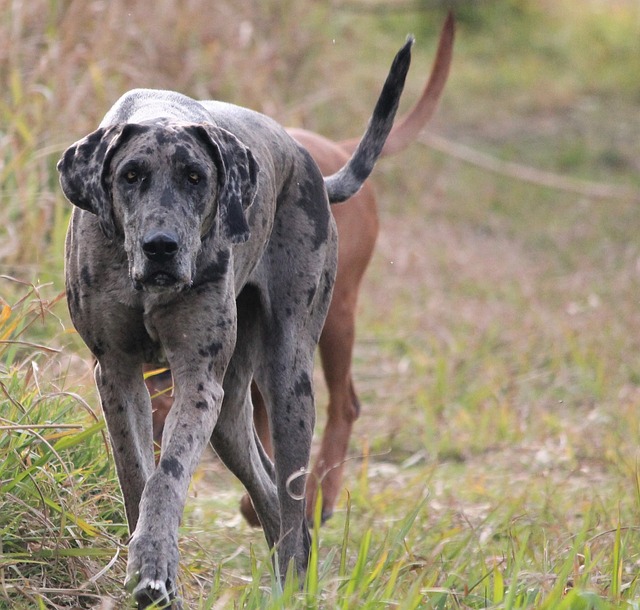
288, 388
239, 449
285, 378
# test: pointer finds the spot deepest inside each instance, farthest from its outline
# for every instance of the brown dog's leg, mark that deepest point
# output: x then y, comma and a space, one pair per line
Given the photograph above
343, 409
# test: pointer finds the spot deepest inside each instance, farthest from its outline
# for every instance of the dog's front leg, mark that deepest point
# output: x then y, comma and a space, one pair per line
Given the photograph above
153, 551
127, 410
198, 364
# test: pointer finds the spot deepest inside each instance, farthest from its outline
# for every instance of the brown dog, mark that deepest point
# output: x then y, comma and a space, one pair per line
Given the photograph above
357, 222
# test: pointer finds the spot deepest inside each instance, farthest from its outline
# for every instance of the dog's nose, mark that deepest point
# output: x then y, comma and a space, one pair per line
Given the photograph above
160, 246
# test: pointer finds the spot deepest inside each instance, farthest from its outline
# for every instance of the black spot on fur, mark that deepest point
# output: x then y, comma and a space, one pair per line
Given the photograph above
72, 297
312, 190
181, 153
202, 405
172, 466
85, 274
303, 386
97, 348
212, 350
162, 137
310, 294
214, 271
360, 169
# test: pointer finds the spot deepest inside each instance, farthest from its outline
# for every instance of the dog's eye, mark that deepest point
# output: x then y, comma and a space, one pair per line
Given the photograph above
131, 177
193, 177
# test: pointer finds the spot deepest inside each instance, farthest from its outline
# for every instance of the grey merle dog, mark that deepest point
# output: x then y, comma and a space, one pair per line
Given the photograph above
202, 237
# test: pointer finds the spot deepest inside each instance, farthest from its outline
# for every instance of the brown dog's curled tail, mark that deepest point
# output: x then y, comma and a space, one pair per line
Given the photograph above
347, 181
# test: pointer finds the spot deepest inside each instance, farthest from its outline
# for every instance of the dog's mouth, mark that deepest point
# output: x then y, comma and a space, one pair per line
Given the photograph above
154, 277
157, 280
161, 279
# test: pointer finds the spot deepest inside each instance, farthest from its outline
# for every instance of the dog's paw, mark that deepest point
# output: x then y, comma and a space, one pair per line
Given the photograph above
151, 573
153, 592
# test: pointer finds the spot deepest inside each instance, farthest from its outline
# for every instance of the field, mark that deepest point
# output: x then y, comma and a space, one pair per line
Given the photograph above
495, 464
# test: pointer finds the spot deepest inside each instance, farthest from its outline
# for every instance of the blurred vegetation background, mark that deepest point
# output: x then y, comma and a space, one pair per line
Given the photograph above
498, 357
562, 72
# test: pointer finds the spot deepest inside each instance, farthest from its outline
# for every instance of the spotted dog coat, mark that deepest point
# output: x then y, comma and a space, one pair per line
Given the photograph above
202, 237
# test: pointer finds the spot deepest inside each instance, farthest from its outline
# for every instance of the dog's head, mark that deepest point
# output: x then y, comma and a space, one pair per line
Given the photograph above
162, 187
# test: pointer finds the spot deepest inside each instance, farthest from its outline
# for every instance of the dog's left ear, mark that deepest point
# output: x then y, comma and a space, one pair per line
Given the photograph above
83, 168
237, 180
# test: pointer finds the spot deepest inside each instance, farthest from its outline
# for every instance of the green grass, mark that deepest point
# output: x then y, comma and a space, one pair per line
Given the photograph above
61, 518
495, 464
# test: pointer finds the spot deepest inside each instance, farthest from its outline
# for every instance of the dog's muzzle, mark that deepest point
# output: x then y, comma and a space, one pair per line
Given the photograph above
161, 268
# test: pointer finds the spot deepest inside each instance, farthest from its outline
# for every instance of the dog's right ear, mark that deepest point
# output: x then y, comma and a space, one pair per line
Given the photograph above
83, 168
237, 179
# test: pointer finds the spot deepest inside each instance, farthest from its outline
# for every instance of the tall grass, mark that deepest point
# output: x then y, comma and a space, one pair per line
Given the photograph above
468, 542
60, 515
